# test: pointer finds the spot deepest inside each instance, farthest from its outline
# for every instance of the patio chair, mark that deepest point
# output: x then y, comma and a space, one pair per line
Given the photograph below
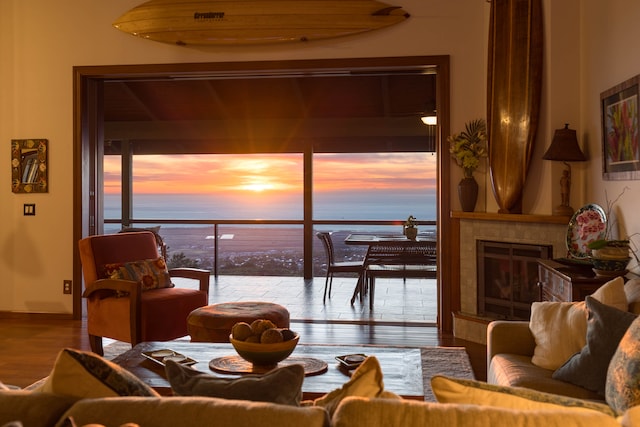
337, 267
130, 296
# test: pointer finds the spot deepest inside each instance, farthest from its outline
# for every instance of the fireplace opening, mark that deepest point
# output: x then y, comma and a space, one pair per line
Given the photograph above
508, 278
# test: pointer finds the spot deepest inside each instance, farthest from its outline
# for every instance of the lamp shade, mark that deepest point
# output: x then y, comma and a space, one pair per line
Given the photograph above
564, 147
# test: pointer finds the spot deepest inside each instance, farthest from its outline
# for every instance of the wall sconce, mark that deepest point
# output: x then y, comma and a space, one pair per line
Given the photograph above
564, 147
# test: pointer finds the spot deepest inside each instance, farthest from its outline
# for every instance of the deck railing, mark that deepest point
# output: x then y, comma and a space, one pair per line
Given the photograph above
263, 247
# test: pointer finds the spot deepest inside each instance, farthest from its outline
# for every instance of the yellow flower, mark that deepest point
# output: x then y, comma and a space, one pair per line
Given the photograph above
469, 146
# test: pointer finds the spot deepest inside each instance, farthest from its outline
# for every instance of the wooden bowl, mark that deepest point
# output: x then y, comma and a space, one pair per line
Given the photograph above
264, 354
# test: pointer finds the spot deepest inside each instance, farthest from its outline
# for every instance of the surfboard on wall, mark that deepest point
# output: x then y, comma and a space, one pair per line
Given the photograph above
514, 90
238, 22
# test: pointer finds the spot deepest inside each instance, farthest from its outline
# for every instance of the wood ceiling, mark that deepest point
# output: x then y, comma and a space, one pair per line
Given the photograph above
334, 112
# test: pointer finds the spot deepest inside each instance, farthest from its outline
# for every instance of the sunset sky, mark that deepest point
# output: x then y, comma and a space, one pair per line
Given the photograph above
263, 173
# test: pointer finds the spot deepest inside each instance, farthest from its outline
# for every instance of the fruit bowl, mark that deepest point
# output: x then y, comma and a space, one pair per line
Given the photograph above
264, 354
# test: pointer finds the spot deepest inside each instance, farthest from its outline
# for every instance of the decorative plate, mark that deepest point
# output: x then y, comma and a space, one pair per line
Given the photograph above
588, 224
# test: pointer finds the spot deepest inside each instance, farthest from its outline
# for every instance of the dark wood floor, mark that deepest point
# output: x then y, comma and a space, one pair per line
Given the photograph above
29, 343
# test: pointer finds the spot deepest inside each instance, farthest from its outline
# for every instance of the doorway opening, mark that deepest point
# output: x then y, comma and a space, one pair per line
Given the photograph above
92, 125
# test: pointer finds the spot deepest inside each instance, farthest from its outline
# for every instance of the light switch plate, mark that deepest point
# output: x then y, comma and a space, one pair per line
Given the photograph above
29, 209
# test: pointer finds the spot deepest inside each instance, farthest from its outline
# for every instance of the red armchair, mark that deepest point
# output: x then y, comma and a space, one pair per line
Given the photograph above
125, 310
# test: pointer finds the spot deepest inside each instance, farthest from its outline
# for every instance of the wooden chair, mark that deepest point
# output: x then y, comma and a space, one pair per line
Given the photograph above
337, 267
121, 309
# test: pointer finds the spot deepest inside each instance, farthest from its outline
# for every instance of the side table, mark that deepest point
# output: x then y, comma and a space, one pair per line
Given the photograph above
567, 282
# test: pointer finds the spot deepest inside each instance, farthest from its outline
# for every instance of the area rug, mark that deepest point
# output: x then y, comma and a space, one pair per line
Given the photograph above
447, 361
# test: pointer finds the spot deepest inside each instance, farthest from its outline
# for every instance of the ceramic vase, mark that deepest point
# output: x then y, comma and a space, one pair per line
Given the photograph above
468, 193
411, 233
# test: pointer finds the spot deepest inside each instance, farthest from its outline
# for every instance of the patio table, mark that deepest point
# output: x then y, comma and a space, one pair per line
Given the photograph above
393, 256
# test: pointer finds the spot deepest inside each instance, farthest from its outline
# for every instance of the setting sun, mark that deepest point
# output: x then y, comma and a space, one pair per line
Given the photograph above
257, 187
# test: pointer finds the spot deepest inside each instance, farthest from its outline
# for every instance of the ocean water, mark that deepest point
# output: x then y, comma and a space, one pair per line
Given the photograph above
372, 205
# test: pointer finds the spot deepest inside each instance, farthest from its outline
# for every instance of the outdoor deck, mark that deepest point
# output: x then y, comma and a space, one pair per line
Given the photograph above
396, 302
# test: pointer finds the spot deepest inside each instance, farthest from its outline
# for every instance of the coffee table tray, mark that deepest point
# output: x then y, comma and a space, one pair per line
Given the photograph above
159, 357
237, 365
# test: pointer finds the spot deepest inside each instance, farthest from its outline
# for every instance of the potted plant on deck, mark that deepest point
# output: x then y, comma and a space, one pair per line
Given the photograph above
410, 228
467, 148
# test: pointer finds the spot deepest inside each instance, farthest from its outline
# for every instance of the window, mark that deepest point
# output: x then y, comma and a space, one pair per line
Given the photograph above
374, 186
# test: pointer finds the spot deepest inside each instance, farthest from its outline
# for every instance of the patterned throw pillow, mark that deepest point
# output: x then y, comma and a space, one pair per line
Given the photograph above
152, 273
605, 328
86, 375
281, 385
623, 377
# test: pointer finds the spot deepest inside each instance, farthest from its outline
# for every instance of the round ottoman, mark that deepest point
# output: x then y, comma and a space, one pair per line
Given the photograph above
213, 323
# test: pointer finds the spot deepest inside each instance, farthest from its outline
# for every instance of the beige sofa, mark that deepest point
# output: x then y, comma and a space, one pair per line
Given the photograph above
41, 409
511, 346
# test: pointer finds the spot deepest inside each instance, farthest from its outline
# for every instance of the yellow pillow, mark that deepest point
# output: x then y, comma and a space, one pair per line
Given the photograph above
454, 390
366, 381
560, 328
87, 375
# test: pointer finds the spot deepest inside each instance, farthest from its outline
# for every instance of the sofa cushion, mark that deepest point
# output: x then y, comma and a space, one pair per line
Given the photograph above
623, 376
152, 273
518, 371
605, 327
560, 328
632, 290
33, 408
193, 411
366, 381
387, 413
281, 385
82, 374
453, 390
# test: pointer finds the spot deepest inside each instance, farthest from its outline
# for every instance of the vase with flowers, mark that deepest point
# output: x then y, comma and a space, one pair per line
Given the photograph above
467, 148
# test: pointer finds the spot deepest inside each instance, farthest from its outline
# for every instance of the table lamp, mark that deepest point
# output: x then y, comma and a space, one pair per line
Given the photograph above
564, 147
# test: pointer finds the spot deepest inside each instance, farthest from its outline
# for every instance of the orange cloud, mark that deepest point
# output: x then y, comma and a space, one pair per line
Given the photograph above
265, 173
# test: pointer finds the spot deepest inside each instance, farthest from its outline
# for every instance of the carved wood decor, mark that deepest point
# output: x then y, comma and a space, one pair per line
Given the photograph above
514, 88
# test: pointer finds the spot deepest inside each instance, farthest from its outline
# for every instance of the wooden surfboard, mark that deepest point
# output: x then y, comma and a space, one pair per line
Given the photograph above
237, 22
514, 89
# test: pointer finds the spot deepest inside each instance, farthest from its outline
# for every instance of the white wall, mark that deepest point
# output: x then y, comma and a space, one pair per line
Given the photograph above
609, 56
40, 42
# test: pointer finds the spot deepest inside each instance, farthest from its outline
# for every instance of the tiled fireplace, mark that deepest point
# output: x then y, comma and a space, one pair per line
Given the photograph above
536, 230
508, 278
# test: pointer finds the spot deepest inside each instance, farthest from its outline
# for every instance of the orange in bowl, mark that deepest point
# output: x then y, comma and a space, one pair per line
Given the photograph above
264, 354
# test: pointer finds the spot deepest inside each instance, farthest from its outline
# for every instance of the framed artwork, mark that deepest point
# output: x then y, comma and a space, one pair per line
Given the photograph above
620, 139
29, 166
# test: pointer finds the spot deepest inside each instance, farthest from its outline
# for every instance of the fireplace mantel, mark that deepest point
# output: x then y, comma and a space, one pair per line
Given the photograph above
489, 216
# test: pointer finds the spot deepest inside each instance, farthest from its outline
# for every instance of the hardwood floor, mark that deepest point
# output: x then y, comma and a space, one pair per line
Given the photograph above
404, 315
29, 344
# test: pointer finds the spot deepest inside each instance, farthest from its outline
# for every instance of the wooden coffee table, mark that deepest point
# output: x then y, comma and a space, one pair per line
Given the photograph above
401, 367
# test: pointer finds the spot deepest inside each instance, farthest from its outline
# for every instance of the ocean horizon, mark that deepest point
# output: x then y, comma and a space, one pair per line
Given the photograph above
364, 205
